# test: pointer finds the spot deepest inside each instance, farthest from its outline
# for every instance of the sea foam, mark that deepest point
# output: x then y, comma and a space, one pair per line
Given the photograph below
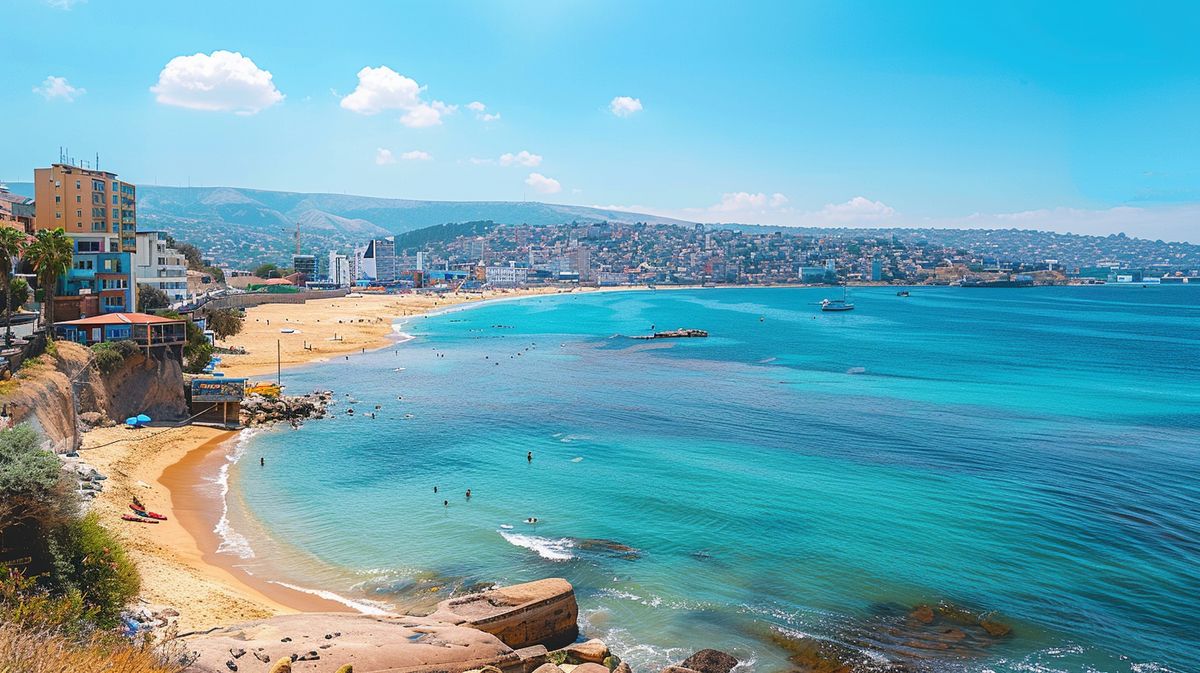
550, 549
231, 541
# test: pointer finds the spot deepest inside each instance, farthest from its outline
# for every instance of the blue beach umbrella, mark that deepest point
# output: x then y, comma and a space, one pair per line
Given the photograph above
143, 418
131, 421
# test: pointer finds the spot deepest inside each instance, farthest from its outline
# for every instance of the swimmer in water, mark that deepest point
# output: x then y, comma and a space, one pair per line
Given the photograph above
445, 503
435, 489
261, 461
468, 494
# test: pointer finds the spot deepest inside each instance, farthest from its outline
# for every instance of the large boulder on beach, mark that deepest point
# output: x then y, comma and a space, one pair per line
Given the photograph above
710, 661
535, 613
592, 651
326, 642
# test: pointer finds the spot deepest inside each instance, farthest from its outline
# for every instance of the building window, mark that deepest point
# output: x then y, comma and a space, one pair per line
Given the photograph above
78, 198
58, 199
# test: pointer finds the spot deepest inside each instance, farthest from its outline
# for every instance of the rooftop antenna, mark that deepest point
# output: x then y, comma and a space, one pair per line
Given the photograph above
97, 161
297, 237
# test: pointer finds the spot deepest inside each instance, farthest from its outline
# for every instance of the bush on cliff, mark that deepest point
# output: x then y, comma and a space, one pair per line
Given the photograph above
110, 355
65, 555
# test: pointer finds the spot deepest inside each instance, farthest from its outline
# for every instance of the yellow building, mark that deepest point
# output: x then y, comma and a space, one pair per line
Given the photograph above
88, 203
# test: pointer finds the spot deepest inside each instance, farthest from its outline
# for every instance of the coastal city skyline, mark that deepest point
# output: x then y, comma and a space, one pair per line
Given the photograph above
1041, 120
599, 336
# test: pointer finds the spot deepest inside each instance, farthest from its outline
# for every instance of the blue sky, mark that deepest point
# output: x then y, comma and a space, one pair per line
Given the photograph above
1071, 116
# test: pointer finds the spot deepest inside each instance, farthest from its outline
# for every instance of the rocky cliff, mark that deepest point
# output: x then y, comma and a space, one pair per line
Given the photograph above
61, 392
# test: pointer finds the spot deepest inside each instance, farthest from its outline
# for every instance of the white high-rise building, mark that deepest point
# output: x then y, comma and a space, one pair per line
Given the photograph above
158, 266
339, 270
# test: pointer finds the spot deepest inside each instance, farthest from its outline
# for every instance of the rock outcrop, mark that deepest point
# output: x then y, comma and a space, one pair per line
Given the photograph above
542, 612
324, 643
260, 410
64, 392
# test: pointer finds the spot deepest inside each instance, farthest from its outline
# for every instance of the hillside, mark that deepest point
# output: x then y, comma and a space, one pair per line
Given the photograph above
244, 227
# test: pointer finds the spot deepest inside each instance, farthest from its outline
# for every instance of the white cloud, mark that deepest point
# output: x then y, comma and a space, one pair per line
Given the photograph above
624, 106
480, 112
856, 209
382, 88
522, 158
223, 81
58, 88
384, 157
543, 184
416, 155
743, 201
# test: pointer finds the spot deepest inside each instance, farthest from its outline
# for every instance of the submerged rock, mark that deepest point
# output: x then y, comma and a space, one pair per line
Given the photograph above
710, 661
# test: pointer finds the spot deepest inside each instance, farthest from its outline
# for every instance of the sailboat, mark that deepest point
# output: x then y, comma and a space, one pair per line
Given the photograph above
837, 304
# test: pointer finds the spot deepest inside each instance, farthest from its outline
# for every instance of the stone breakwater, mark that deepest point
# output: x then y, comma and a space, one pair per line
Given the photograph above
259, 410
503, 630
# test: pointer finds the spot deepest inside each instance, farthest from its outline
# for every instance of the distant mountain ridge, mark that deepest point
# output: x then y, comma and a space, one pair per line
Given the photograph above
245, 227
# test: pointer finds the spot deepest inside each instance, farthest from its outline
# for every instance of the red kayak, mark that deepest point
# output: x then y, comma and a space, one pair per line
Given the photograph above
137, 519
149, 515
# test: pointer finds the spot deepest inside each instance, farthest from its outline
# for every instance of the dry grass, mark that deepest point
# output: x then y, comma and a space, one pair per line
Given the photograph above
24, 651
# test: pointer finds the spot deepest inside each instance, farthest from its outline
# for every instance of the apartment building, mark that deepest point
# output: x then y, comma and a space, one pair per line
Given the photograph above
159, 266
98, 212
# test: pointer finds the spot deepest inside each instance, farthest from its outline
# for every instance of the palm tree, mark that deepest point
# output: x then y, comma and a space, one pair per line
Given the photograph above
12, 242
50, 254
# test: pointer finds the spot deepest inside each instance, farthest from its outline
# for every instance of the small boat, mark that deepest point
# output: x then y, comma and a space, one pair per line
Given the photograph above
506, 526
837, 304
143, 512
902, 293
135, 519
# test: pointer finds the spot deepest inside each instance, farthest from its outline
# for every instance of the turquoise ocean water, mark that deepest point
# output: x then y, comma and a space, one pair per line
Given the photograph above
1032, 455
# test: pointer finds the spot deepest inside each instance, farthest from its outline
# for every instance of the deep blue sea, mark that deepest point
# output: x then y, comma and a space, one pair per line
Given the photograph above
799, 481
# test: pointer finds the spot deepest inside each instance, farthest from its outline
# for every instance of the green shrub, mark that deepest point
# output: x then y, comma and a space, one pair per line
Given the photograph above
110, 355
97, 567
80, 570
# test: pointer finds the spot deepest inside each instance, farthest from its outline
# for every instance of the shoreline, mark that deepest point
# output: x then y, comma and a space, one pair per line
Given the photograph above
193, 507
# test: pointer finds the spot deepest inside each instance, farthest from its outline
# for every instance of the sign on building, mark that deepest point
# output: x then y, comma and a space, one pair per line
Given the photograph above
218, 390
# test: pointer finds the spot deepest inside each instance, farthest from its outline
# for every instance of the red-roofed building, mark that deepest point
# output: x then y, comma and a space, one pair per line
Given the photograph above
141, 328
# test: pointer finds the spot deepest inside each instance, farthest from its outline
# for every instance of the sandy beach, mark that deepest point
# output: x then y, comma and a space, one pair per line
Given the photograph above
176, 558
169, 469
325, 328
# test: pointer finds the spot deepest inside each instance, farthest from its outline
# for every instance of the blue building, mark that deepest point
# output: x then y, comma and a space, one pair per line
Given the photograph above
101, 276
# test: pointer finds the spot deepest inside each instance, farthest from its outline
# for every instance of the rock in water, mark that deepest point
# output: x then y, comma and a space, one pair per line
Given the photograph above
923, 614
593, 651
622, 668
542, 612
710, 661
